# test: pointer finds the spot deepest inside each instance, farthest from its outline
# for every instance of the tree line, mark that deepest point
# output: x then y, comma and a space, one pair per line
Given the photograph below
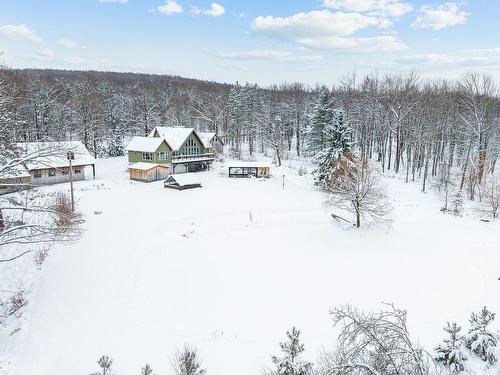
447, 131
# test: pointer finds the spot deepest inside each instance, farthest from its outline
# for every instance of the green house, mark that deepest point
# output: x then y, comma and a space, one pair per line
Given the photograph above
181, 148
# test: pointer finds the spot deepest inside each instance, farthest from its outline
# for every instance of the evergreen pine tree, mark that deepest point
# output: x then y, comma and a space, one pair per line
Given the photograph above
290, 364
337, 143
450, 352
105, 365
457, 203
116, 142
479, 339
322, 115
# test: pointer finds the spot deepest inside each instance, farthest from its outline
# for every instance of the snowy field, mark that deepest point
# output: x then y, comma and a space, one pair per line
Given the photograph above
230, 267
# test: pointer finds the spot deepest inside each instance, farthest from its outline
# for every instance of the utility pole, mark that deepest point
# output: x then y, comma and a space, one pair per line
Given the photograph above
71, 156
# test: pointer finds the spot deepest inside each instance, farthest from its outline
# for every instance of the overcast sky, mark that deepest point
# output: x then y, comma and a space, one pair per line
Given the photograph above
264, 41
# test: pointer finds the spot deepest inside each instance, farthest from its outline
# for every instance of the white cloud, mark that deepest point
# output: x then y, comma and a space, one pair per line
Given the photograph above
67, 43
389, 8
439, 17
114, 1
328, 30
46, 53
170, 7
314, 23
253, 55
468, 58
19, 32
75, 60
278, 56
215, 10
366, 44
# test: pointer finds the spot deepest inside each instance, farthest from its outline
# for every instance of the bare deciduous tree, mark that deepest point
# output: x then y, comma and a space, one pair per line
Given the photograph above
354, 187
493, 194
373, 344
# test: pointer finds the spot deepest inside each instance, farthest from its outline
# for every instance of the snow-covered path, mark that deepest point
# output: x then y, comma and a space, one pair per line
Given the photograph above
230, 267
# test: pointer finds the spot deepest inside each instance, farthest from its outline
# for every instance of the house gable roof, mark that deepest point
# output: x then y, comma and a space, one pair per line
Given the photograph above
42, 155
183, 179
145, 144
175, 136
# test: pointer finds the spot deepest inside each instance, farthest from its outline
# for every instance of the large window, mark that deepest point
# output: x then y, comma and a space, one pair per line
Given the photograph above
162, 156
37, 175
191, 148
147, 156
52, 172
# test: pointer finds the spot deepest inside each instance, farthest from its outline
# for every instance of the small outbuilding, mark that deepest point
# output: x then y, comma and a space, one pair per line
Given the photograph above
48, 164
148, 172
14, 180
249, 169
182, 182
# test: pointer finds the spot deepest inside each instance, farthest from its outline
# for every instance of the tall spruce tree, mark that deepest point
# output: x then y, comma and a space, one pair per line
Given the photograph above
321, 116
336, 143
479, 339
450, 352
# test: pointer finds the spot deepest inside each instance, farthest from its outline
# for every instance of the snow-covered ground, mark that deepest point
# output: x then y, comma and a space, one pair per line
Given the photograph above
230, 267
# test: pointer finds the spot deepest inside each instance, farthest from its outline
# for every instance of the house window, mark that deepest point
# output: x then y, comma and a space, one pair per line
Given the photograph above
52, 173
162, 156
191, 148
64, 173
37, 175
78, 171
147, 156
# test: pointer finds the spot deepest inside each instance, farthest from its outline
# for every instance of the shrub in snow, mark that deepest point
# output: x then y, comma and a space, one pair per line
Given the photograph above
290, 363
147, 370
41, 255
187, 362
457, 203
450, 353
105, 365
16, 302
479, 339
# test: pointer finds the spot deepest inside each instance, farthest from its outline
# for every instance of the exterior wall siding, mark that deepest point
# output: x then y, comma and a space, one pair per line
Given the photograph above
136, 156
16, 180
154, 174
58, 178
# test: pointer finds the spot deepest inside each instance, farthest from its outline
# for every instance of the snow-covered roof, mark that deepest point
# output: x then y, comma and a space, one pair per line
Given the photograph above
175, 137
144, 144
206, 138
146, 166
184, 179
41, 155
17, 171
250, 164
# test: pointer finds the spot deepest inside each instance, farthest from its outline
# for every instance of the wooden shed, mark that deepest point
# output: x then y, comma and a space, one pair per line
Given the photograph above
148, 172
15, 180
182, 182
250, 169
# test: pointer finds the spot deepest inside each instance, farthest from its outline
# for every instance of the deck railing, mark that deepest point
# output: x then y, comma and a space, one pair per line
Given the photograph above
193, 157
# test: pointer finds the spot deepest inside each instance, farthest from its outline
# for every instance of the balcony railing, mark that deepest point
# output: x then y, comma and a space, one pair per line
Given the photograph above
181, 158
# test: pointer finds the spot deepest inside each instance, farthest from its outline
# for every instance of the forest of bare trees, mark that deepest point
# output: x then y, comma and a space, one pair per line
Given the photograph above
447, 131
